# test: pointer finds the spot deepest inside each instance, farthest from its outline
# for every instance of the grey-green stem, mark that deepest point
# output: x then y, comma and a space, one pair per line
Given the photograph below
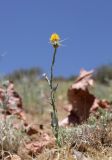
54, 118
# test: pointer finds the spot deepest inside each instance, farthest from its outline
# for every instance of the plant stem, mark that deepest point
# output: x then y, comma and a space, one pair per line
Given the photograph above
52, 65
54, 118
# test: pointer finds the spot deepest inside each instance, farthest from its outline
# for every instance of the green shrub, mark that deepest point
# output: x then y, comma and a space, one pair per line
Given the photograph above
103, 74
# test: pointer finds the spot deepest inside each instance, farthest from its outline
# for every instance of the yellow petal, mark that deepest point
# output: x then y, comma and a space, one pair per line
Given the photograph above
54, 37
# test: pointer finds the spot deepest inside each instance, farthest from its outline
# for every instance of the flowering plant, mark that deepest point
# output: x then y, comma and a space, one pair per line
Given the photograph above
54, 40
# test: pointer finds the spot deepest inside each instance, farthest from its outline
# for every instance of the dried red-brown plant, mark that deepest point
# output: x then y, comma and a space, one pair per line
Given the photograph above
81, 101
36, 147
11, 100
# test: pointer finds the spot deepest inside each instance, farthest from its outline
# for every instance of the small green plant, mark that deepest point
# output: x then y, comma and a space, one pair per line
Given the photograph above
54, 40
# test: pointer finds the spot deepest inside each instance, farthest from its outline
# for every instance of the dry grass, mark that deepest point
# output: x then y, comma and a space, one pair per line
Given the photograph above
12, 135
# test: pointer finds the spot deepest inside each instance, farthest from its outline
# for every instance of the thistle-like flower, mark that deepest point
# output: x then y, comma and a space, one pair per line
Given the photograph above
55, 40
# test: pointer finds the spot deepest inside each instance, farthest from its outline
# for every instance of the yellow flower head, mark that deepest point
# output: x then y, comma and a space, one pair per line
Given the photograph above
54, 39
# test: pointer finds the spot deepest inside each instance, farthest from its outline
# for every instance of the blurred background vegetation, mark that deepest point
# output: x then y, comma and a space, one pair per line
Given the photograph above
34, 89
102, 74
